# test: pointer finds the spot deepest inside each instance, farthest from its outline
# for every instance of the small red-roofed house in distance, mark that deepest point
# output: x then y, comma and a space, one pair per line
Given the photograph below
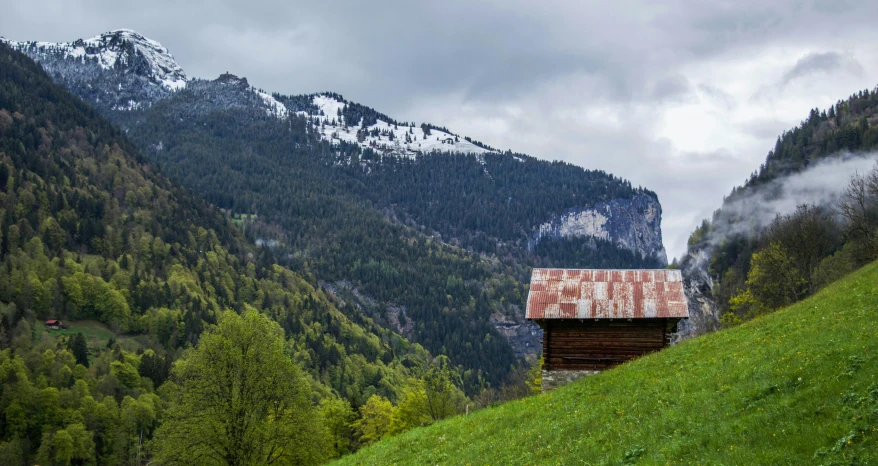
54, 324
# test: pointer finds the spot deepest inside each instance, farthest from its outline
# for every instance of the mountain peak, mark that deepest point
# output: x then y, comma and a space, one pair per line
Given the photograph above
121, 49
228, 78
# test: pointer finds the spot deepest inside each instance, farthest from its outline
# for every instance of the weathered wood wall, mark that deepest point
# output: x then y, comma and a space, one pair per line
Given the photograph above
597, 345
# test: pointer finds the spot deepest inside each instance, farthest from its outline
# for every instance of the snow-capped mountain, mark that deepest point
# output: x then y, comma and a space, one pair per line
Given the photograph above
117, 70
312, 164
126, 75
121, 50
124, 55
385, 136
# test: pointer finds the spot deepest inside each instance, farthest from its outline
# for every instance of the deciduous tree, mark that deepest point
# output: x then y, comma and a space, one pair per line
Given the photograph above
375, 419
242, 401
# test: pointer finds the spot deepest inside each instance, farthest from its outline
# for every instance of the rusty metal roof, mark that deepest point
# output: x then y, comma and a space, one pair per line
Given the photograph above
606, 294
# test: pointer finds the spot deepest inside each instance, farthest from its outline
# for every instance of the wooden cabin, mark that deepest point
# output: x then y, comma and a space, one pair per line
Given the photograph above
54, 324
593, 320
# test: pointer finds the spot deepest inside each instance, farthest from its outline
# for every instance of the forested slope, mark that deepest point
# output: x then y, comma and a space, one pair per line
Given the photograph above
386, 224
250, 163
89, 230
427, 232
840, 229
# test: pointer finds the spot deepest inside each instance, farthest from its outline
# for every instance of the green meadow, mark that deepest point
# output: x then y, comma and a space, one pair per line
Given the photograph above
798, 386
96, 334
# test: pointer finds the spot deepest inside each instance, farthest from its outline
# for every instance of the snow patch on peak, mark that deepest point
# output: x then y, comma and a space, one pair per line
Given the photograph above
274, 107
329, 107
383, 136
118, 49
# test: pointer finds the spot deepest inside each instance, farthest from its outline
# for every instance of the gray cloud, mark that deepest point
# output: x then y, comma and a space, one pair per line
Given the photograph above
821, 184
721, 97
592, 83
764, 128
827, 62
673, 87
492, 50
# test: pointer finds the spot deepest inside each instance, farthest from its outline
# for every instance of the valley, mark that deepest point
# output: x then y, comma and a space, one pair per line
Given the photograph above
418, 218
197, 270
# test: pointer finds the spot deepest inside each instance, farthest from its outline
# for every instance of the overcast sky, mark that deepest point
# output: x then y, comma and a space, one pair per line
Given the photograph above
684, 98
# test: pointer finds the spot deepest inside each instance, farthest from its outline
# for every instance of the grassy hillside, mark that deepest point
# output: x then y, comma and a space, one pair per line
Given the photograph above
795, 387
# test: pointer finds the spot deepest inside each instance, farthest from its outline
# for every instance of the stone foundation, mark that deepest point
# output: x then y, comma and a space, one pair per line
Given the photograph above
555, 379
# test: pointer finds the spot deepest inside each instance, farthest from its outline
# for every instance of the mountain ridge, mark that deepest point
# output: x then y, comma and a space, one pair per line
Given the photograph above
132, 52
329, 115
119, 48
350, 194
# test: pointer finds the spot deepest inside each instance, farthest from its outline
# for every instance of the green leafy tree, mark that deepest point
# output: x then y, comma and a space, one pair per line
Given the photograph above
375, 419
338, 417
242, 401
72, 445
773, 281
835, 266
125, 373
443, 398
534, 379
433, 396
411, 411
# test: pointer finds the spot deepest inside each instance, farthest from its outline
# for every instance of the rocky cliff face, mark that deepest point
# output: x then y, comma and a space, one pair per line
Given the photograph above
698, 285
633, 224
525, 337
